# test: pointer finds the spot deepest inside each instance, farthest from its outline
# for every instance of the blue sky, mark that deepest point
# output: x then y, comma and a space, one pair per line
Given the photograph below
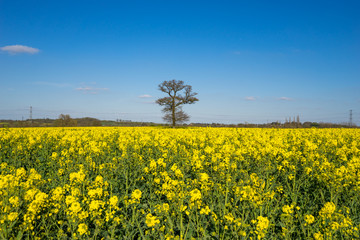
249, 61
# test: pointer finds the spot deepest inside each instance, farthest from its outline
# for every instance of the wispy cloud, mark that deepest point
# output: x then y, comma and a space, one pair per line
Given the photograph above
145, 96
285, 99
91, 90
250, 98
236, 52
18, 49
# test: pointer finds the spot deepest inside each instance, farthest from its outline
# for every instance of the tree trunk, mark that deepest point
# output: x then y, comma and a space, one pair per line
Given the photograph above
173, 113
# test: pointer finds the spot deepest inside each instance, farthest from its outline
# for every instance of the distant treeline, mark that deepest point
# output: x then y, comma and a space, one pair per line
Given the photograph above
67, 121
51, 122
278, 125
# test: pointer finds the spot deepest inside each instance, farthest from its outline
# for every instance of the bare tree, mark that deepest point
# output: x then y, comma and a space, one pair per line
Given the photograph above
65, 120
179, 94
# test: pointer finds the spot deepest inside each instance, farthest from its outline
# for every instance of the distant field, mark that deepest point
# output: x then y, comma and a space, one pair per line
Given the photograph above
158, 183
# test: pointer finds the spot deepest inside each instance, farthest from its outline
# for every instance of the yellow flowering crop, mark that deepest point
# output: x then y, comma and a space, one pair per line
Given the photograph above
189, 183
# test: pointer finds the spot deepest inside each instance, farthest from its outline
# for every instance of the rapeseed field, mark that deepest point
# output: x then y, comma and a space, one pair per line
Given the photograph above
194, 183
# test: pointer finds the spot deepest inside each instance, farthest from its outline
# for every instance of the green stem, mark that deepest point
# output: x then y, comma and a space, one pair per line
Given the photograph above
141, 232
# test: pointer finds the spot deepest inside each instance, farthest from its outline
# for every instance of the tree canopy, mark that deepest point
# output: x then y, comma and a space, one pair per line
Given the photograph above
178, 95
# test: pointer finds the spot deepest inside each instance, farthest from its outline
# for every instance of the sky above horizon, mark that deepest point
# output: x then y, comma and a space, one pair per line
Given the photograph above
249, 61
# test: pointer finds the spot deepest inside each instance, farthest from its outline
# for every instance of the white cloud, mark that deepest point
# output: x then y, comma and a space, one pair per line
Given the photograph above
237, 53
285, 99
17, 49
145, 96
250, 98
90, 90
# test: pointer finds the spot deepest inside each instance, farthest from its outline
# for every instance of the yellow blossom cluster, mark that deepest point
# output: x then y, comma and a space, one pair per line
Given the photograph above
186, 183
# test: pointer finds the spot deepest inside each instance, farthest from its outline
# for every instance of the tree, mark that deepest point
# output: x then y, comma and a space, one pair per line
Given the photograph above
179, 94
65, 121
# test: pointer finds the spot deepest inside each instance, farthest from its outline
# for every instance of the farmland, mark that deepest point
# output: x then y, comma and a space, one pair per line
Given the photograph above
161, 183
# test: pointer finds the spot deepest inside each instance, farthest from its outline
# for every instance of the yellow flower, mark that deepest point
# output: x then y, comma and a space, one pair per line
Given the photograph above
205, 210
98, 192
262, 225
61, 172
346, 222
335, 226
82, 215
77, 177
195, 195
15, 202
204, 177
309, 219
183, 208
178, 173
82, 229
75, 207
135, 196
20, 172
30, 194
99, 181
113, 201
95, 205
75, 192
214, 216
162, 208
34, 175
229, 217
12, 216
318, 236
3, 165
327, 210
57, 194
152, 165
151, 220
70, 199
166, 207
288, 209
